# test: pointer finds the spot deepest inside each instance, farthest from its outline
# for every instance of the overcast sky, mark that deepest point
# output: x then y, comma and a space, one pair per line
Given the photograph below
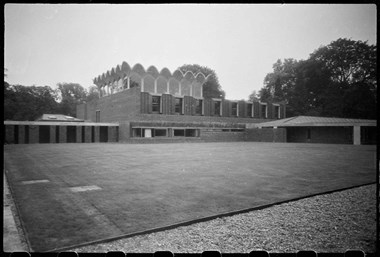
49, 44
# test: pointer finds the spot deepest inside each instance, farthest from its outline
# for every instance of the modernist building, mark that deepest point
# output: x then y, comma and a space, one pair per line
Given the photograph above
152, 104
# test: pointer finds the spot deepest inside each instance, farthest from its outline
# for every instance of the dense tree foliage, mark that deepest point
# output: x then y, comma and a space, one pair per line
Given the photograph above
212, 88
337, 80
30, 102
71, 94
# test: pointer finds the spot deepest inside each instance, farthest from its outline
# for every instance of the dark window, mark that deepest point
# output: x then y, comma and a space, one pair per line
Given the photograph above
308, 134
92, 134
83, 134
178, 105
179, 132
249, 110
159, 132
44, 134
57, 135
263, 111
71, 134
103, 137
190, 132
217, 108
234, 109
198, 107
277, 112
156, 102
137, 132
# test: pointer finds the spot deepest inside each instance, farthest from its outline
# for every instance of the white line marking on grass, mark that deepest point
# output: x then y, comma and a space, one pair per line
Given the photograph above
84, 188
27, 182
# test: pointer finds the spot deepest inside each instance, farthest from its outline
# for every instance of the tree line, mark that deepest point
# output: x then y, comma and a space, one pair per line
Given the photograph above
337, 80
30, 102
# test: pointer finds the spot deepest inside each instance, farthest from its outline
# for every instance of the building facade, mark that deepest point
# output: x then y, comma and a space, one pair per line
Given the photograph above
310, 129
165, 105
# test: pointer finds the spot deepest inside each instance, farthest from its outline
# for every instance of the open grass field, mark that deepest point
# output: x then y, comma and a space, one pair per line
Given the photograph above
69, 194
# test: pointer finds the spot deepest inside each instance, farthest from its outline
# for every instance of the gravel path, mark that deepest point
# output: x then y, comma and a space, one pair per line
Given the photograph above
327, 223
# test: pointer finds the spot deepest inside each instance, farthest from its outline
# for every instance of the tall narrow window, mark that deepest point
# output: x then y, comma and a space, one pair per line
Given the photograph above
217, 108
249, 110
264, 113
276, 111
178, 105
97, 116
156, 103
198, 107
234, 109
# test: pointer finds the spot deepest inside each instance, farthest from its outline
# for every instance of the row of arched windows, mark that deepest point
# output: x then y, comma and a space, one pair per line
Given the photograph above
150, 80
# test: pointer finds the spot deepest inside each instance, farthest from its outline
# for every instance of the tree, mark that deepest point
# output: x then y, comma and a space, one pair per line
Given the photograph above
93, 93
336, 80
71, 95
211, 88
281, 81
348, 61
28, 103
254, 96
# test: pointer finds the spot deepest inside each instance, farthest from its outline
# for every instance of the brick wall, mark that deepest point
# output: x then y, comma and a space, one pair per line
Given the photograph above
222, 136
266, 135
130, 104
120, 106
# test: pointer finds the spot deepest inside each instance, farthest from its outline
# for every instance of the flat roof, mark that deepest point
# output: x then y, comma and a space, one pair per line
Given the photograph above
59, 123
313, 121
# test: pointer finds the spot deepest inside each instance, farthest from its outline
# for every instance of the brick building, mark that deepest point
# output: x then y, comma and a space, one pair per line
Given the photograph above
310, 129
150, 105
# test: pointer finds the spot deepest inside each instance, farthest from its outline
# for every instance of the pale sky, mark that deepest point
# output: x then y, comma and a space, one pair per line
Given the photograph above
46, 44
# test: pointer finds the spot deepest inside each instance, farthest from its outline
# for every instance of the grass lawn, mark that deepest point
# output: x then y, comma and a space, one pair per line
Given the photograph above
145, 186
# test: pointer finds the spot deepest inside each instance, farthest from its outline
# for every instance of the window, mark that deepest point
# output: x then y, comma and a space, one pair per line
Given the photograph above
276, 111
179, 132
97, 116
198, 107
137, 132
156, 104
217, 109
186, 132
234, 109
308, 134
264, 113
178, 105
190, 133
159, 133
249, 110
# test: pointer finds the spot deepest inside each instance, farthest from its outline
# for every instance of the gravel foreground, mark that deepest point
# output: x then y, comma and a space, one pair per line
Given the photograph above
333, 222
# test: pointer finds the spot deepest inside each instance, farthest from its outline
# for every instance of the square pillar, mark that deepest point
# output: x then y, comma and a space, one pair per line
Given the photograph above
33, 134
356, 136
79, 134
112, 134
124, 132
63, 134
87, 134
97, 134
52, 134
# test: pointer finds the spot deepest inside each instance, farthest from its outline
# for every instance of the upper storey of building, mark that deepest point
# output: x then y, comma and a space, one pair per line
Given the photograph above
178, 83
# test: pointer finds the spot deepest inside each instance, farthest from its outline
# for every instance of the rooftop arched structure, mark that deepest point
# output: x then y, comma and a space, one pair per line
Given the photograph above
137, 75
